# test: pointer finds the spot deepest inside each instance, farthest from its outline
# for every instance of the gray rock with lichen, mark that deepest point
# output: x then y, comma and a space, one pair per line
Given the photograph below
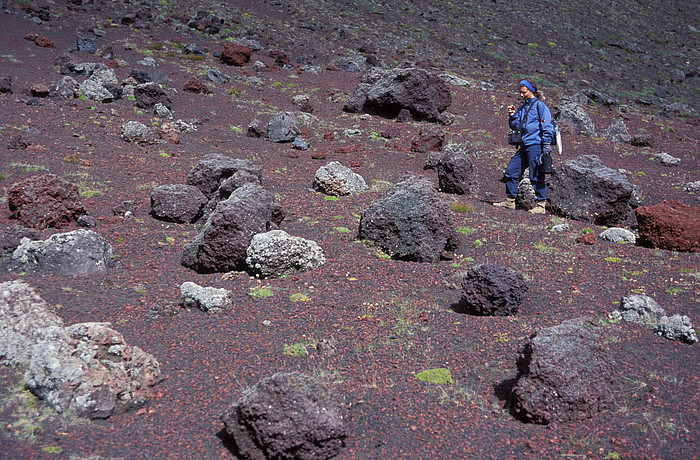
678, 328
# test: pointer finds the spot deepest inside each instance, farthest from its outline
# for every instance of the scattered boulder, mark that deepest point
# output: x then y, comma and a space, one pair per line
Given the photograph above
85, 368
149, 94
337, 180
18, 142
44, 201
573, 119
222, 243
639, 309
67, 87
490, 290
135, 131
149, 76
411, 222
95, 91
79, 252
583, 188
207, 299
619, 235
214, 168
12, 235
526, 198
424, 95
276, 254
642, 140
667, 160
669, 225
677, 327
283, 127
196, 86
217, 76
235, 54
617, 132
455, 171
430, 138
288, 415
178, 203
564, 374
6, 85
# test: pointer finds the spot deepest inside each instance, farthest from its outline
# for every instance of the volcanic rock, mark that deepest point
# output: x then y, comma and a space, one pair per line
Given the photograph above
337, 180
490, 290
45, 201
276, 254
179, 203
669, 225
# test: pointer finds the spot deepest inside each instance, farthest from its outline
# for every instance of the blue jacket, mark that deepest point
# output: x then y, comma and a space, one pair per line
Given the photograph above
537, 128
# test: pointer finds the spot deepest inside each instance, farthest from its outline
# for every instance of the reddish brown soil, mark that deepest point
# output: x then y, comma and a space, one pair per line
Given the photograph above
390, 319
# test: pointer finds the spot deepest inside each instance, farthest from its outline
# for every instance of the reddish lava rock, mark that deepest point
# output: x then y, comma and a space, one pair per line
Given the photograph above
670, 225
235, 54
195, 85
45, 201
44, 42
587, 239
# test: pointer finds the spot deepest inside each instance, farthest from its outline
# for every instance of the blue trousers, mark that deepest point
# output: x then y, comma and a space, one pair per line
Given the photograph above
526, 157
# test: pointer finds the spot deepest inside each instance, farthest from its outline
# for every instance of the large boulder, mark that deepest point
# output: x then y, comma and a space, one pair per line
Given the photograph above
583, 188
87, 368
386, 92
430, 138
283, 127
44, 201
640, 309
178, 203
564, 374
669, 225
235, 54
75, 253
222, 243
149, 94
337, 180
214, 168
287, 416
490, 290
571, 118
411, 222
276, 253
455, 171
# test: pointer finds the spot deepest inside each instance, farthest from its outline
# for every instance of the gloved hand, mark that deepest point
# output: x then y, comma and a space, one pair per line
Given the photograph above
545, 150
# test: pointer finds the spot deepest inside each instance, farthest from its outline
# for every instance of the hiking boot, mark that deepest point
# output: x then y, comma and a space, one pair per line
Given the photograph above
539, 209
508, 203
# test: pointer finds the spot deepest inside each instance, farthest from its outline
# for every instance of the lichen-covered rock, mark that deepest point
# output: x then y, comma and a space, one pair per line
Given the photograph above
491, 290
677, 327
564, 374
205, 298
337, 180
287, 416
276, 253
641, 309
44, 201
283, 127
411, 222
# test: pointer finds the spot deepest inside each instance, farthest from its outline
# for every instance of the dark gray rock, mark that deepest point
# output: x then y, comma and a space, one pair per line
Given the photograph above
490, 290
214, 168
337, 180
79, 252
217, 76
12, 235
287, 416
179, 203
641, 309
423, 94
222, 243
6, 85
411, 222
283, 127
617, 132
149, 94
583, 188
67, 87
455, 170
571, 118
149, 76
276, 253
85, 44
564, 374
677, 327
45, 201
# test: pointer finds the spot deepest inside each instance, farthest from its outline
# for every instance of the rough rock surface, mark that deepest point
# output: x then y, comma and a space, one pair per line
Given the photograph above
641, 309
235, 54
677, 327
337, 180
411, 222
455, 170
205, 298
564, 374
179, 203
135, 131
490, 290
45, 201
283, 127
430, 138
669, 225
583, 188
11, 236
618, 235
288, 415
79, 252
276, 253
214, 168
149, 94
573, 119
222, 243
84, 368
425, 95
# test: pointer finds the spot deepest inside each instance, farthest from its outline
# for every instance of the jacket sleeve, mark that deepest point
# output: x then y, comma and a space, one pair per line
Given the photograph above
513, 120
546, 120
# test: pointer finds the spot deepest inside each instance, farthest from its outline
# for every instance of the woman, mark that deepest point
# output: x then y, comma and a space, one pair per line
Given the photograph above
535, 122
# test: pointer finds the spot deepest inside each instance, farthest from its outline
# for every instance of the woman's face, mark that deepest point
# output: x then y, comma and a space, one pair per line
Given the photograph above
525, 93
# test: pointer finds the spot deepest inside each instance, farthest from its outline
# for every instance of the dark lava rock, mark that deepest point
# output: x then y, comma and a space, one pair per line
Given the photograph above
222, 243
669, 225
196, 86
5, 85
429, 139
178, 203
283, 127
583, 188
11, 236
17, 142
149, 76
150, 94
44, 201
455, 170
214, 168
489, 290
564, 374
423, 94
412, 222
287, 416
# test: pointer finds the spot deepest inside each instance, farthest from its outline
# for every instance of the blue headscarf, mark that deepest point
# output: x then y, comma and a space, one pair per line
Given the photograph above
528, 85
